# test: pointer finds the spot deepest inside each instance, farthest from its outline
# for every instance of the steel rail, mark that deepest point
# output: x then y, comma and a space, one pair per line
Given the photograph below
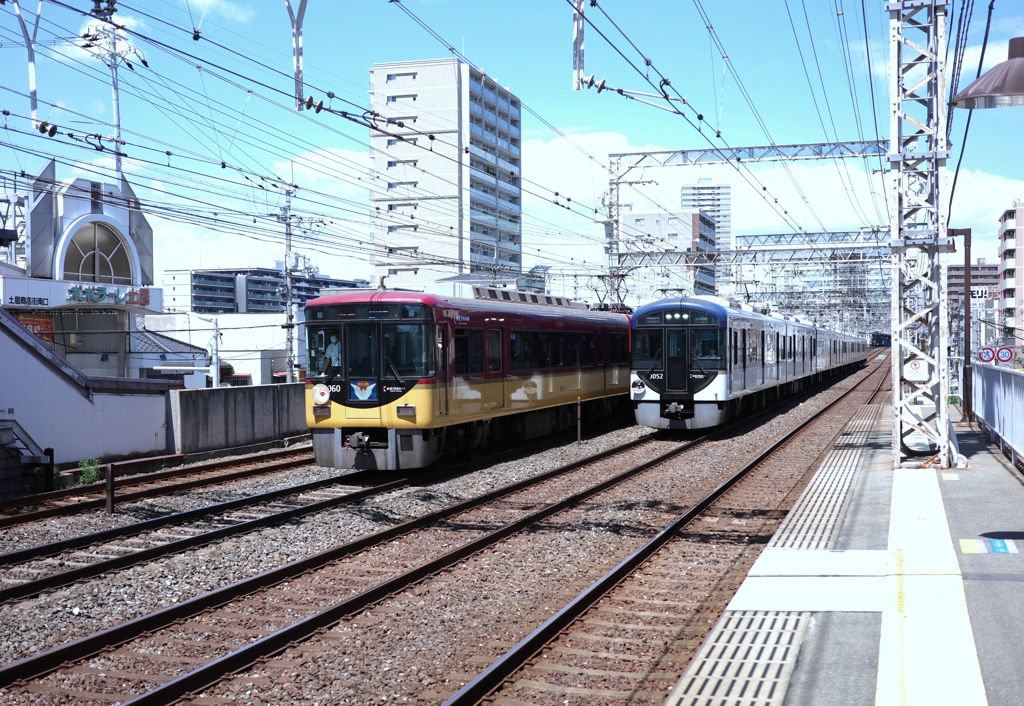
143, 477
208, 674
31, 588
44, 550
495, 675
243, 657
36, 665
48, 660
82, 506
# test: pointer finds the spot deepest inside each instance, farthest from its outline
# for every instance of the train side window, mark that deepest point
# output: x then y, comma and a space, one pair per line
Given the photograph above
469, 351
494, 350
588, 349
461, 344
529, 350
564, 349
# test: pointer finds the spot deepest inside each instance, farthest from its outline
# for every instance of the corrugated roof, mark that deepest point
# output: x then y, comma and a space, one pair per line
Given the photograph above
149, 342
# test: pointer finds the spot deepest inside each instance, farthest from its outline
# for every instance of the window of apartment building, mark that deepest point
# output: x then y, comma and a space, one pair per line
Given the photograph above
402, 162
639, 221
404, 119
411, 97
401, 184
672, 220
394, 141
400, 206
411, 75
673, 235
395, 229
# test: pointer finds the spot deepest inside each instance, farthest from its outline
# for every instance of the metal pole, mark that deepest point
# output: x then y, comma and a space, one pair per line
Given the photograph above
216, 354
110, 489
48, 469
579, 422
968, 387
296, 20
289, 317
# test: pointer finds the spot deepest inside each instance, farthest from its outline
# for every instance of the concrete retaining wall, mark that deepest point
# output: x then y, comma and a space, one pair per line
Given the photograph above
224, 417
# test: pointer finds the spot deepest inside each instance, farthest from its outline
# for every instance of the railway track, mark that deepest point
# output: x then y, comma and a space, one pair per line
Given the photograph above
629, 636
70, 501
249, 620
33, 570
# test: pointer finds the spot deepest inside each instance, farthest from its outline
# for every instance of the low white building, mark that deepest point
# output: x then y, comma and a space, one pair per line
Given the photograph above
252, 348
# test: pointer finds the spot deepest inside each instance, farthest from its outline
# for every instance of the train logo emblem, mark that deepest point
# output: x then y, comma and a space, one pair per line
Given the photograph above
1004, 354
639, 388
986, 355
364, 390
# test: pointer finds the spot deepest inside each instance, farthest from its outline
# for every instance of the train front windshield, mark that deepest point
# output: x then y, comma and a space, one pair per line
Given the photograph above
370, 342
678, 344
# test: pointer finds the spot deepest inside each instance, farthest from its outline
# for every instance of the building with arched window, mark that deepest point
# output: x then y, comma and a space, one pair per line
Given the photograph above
79, 275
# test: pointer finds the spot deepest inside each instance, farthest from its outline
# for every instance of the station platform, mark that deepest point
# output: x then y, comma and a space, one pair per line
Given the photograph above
881, 586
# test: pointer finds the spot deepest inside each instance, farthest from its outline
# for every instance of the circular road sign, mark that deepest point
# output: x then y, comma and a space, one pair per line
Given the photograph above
1004, 354
986, 355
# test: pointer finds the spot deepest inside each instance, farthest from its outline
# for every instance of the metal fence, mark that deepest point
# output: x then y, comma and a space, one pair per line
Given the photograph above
998, 402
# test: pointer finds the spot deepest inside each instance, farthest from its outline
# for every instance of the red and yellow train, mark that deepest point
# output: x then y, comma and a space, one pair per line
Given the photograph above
396, 379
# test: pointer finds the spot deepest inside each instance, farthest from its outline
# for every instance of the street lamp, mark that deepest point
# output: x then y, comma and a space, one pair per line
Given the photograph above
1000, 87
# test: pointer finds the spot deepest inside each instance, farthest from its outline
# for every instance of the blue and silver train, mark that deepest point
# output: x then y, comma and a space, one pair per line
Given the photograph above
698, 362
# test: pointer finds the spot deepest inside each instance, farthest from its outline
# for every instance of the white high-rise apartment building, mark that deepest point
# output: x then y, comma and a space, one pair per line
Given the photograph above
716, 201
1011, 278
446, 162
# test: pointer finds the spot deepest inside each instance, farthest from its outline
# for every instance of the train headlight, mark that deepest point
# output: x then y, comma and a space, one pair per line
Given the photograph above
321, 394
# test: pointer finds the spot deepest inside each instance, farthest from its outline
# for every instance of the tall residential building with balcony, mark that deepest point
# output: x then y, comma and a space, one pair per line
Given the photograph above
249, 290
446, 159
1011, 277
984, 281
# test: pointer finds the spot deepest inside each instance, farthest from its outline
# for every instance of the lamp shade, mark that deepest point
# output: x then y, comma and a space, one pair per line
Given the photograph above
1001, 87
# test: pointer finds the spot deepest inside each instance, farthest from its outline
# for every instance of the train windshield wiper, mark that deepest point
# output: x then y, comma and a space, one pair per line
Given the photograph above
696, 360
654, 362
387, 359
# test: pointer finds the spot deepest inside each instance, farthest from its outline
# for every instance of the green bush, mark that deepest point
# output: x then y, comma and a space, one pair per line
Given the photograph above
90, 471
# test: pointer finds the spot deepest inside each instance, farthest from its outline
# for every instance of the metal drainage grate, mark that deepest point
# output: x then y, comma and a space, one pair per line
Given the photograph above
747, 660
814, 521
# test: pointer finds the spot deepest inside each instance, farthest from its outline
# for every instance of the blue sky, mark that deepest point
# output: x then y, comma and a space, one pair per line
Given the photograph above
225, 99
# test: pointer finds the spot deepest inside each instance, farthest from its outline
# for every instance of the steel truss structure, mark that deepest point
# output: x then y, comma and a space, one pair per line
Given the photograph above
918, 153
841, 280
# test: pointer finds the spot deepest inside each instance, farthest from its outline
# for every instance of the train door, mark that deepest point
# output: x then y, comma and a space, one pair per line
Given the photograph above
677, 367
744, 354
444, 381
494, 366
362, 367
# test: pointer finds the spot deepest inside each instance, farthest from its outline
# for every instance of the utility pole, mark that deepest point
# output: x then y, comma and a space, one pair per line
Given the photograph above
289, 325
104, 37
